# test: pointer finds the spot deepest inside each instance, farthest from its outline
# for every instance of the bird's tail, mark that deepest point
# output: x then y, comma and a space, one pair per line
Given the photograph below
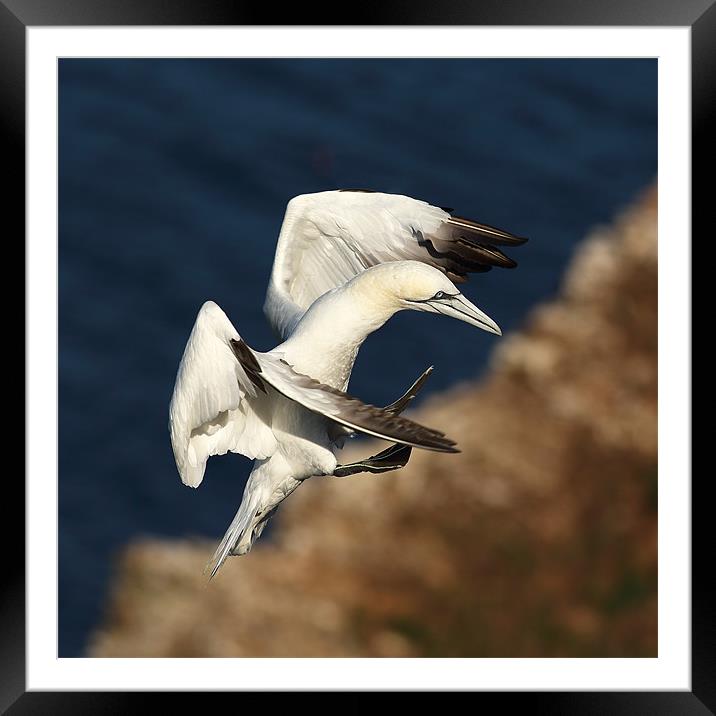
238, 534
260, 500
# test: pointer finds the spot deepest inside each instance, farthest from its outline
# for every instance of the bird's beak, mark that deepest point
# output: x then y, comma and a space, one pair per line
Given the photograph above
459, 307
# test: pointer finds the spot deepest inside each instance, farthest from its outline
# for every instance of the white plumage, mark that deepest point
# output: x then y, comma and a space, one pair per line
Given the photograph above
328, 238
345, 262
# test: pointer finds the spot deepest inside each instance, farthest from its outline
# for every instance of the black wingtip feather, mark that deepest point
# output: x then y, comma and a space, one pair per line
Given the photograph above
483, 253
462, 246
491, 234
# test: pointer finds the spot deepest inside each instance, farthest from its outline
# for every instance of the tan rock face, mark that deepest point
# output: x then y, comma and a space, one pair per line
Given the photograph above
539, 539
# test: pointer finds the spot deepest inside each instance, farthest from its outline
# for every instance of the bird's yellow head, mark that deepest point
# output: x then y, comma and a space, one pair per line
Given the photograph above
412, 285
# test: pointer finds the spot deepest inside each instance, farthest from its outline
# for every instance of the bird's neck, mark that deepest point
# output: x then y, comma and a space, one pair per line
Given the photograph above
326, 340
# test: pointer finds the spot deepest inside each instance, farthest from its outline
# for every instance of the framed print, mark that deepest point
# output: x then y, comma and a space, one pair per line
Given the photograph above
556, 555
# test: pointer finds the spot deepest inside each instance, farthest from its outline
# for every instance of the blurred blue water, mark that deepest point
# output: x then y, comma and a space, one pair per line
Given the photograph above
174, 175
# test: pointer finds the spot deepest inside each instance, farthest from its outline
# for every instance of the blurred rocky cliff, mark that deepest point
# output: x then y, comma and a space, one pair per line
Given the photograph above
538, 539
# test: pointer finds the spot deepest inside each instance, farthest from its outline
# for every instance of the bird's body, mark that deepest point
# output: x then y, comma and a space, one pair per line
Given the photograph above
345, 263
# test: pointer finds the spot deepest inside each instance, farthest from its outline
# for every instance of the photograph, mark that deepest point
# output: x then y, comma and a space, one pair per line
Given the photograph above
357, 357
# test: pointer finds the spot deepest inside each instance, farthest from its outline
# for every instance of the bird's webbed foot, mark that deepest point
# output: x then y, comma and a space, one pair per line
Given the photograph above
397, 455
393, 458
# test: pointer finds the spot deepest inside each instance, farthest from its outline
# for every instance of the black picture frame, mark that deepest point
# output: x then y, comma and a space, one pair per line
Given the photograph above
17, 15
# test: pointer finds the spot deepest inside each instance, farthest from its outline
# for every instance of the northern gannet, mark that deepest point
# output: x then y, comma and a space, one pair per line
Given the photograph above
345, 262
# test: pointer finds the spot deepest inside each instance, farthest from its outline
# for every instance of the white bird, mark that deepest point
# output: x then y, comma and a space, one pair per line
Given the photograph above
345, 262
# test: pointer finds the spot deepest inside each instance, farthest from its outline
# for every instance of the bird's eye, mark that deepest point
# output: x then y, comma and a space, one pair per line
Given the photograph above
439, 295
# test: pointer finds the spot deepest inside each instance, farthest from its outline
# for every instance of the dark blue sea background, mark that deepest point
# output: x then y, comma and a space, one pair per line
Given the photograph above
173, 179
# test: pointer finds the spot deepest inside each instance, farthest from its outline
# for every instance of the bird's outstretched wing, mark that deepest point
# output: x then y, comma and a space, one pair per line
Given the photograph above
215, 406
336, 405
221, 401
329, 237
